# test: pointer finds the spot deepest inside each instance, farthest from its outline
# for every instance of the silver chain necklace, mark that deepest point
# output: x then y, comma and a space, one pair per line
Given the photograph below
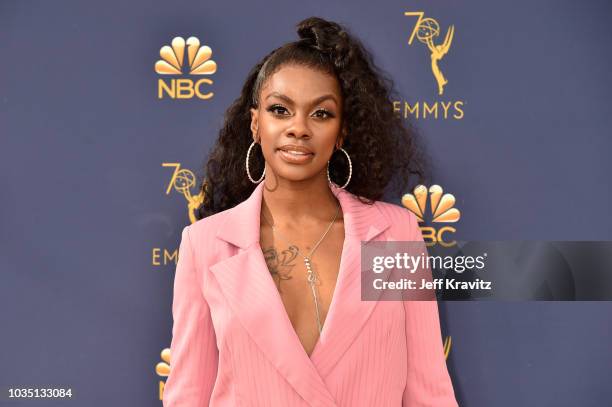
312, 277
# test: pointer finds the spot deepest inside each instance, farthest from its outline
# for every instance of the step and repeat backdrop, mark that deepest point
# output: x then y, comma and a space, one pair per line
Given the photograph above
107, 113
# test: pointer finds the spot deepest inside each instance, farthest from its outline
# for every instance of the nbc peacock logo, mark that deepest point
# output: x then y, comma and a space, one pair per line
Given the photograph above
163, 370
173, 62
442, 207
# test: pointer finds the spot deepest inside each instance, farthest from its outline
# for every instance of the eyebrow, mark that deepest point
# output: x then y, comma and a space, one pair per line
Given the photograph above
314, 102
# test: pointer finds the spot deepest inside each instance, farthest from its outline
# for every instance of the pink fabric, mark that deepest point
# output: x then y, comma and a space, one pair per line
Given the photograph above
233, 343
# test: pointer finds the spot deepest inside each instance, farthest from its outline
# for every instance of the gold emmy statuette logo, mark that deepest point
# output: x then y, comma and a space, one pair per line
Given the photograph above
163, 369
183, 180
427, 30
442, 209
172, 63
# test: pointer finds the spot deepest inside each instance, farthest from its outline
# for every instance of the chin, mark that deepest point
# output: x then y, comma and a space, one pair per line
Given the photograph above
294, 173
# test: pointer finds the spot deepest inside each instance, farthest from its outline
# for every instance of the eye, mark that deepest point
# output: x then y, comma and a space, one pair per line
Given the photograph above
326, 113
275, 108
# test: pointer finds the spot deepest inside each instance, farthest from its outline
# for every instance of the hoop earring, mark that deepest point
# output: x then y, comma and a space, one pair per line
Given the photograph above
248, 171
350, 169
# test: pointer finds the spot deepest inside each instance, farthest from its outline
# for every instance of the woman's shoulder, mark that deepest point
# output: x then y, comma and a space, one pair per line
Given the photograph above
403, 224
396, 214
207, 227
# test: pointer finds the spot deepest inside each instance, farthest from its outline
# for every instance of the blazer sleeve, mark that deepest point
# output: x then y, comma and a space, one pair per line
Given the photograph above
193, 350
428, 383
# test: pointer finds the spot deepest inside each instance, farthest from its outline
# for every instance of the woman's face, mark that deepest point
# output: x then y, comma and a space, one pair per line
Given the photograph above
298, 122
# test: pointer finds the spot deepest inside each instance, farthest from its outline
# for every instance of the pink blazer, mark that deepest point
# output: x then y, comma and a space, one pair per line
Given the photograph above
233, 343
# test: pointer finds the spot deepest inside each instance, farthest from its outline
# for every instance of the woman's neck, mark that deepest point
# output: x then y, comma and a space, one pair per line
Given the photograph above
297, 204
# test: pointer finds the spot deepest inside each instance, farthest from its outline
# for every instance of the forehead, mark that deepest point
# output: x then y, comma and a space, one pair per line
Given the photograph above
302, 84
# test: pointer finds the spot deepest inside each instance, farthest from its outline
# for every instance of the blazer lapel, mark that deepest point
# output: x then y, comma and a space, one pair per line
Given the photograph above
348, 313
252, 295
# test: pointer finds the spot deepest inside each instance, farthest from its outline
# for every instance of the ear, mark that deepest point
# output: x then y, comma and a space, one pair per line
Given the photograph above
255, 124
341, 137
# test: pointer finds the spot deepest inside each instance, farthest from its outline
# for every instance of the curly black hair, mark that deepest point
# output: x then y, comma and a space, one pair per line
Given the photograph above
383, 149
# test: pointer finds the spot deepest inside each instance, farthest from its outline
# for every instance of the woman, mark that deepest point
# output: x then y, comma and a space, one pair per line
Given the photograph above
267, 308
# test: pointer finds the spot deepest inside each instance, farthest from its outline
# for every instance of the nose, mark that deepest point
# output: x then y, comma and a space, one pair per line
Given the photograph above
298, 127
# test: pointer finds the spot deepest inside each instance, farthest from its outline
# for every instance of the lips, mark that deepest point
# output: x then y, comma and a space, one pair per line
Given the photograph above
293, 154
295, 150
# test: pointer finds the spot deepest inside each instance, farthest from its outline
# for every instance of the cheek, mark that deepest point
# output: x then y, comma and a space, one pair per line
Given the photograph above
267, 150
327, 143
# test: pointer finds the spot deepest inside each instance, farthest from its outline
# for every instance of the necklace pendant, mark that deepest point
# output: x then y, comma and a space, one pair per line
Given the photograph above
312, 278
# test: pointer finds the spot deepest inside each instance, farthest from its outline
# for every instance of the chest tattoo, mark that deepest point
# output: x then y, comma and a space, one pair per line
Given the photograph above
280, 264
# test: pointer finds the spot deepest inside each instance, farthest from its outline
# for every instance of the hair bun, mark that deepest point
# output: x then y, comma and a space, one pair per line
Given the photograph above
326, 36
